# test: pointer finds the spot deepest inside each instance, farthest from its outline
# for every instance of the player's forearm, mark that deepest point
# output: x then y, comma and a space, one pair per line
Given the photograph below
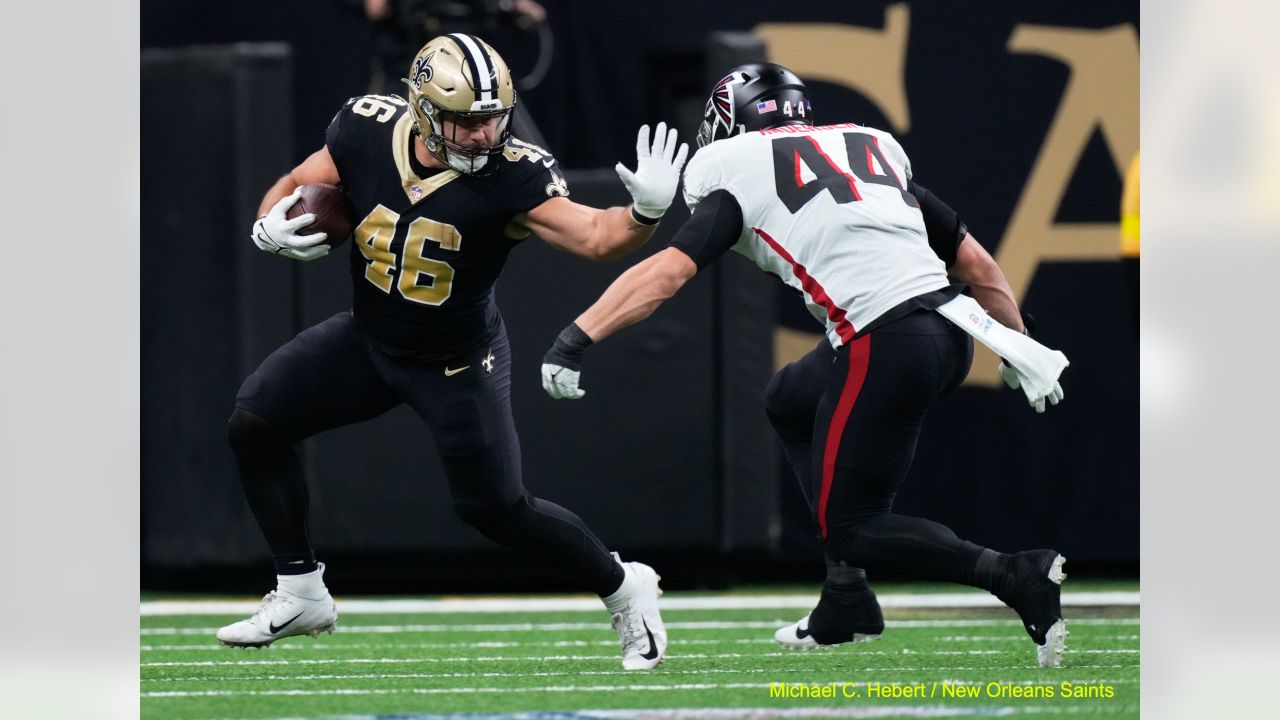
975, 267
996, 297
630, 299
317, 168
634, 296
617, 233
282, 188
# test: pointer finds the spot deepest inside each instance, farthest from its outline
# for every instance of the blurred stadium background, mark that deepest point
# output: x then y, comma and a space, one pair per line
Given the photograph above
1023, 116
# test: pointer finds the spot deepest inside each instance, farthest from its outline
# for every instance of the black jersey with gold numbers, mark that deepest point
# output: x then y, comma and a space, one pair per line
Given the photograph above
429, 244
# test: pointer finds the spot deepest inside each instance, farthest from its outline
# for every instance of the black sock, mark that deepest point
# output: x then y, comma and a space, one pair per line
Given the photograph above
842, 578
992, 571
611, 583
921, 548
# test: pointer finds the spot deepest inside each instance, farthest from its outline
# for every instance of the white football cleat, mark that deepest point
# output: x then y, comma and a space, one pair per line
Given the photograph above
796, 637
300, 605
636, 618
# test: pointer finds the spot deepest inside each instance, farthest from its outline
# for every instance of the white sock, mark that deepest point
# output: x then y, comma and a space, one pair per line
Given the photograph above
307, 585
630, 583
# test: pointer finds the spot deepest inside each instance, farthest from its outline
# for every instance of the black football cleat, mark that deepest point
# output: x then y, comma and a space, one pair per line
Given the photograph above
839, 618
1036, 595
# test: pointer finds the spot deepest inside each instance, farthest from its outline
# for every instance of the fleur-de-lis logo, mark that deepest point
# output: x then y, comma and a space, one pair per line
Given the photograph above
422, 69
557, 187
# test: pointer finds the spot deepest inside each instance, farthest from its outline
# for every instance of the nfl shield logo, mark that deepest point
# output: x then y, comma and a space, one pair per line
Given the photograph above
415, 192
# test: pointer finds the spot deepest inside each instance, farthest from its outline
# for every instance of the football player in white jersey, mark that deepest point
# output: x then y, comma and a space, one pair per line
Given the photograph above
833, 211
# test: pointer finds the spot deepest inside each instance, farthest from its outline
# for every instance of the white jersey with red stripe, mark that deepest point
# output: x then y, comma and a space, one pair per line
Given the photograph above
826, 209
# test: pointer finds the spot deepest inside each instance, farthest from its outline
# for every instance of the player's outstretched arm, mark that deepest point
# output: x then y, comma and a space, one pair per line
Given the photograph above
965, 258
634, 296
991, 290
979, 270
609, 234
275, 233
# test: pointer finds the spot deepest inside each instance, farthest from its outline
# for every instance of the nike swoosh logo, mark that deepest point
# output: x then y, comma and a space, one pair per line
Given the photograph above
451, 373
548, 163
801, 633
277, 628
653, 646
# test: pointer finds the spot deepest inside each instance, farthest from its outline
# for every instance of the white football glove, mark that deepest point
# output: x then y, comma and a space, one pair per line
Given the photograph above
560, 382
562, 365
653, 184
1013, 379
276, 234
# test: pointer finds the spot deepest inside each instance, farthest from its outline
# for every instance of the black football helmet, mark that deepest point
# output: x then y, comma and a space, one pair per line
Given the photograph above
754, 97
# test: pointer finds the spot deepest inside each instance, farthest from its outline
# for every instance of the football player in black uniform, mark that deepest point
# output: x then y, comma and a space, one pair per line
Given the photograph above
848, 415
443, 193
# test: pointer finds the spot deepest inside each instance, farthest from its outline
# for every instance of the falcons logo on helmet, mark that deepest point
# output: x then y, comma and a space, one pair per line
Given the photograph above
721, 100
719, 116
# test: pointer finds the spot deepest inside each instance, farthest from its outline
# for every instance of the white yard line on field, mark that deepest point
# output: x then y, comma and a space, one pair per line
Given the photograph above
1014, 638
679, 625
592, 604
504, 674
774, 713
480, 658
772, 671
317, 646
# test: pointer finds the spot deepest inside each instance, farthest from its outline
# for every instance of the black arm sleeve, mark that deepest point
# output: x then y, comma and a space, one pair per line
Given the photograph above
946, 230
712, 230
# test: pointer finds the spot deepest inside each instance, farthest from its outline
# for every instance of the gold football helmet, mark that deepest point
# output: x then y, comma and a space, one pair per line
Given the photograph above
460, 79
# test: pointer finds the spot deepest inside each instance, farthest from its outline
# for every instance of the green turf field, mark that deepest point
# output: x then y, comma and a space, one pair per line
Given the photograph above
720, 663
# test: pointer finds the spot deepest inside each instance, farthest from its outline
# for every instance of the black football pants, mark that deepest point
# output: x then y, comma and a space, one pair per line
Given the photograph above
329, 376
861, 409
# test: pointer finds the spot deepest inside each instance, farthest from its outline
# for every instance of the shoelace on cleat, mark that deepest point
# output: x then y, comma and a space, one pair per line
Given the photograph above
634, 630
269, 601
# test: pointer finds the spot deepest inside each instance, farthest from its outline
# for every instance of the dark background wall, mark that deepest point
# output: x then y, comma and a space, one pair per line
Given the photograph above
668, 456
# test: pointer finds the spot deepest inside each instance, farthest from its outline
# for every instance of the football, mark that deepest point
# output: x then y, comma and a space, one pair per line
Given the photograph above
332, 208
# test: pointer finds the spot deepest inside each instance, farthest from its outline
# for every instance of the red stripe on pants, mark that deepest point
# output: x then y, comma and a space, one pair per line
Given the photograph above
859, 359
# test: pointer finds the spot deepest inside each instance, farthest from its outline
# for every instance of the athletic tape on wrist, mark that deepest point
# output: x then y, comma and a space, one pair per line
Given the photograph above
644, 219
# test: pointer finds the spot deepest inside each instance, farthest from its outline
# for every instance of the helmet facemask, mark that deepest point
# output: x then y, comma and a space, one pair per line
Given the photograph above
445, 132
457, 82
